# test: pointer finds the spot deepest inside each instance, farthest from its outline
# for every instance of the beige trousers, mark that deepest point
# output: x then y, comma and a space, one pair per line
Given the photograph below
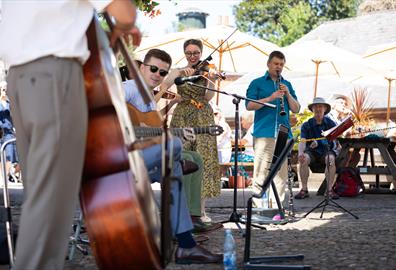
48, 106
263, 153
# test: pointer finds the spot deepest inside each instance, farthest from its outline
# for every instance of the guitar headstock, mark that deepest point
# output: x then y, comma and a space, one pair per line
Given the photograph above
215, 130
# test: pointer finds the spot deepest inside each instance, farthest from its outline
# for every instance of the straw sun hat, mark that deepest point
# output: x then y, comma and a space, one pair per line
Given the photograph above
320, 100
348, 101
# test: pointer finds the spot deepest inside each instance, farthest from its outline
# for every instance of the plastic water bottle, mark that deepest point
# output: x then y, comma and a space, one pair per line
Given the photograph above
229, 260
265, 200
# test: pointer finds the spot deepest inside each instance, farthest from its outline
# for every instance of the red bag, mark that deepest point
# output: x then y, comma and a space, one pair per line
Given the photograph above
348, 182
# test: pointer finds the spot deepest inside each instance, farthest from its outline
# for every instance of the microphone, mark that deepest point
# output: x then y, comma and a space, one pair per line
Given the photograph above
181, 80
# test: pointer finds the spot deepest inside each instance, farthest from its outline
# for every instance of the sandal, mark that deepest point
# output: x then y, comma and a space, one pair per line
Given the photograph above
302, 194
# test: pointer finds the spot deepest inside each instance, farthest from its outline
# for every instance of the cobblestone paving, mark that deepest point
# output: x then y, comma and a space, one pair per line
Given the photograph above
336, 241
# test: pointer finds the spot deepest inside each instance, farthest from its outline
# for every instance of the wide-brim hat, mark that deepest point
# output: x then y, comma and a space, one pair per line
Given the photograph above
320, 100
348, 100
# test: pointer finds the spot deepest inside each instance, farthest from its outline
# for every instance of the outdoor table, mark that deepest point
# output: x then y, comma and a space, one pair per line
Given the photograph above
387, 151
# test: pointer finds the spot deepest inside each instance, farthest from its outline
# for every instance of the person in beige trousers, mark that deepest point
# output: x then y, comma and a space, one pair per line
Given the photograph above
44, 44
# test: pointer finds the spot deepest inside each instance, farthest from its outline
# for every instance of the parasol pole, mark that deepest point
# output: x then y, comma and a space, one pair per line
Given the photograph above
219, 81
389, 92
317, 63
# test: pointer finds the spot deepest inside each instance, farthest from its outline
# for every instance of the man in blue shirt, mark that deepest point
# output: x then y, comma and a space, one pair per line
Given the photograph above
317, 151
270, 88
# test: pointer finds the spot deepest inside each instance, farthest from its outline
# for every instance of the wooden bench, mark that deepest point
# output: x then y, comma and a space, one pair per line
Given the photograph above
386, 149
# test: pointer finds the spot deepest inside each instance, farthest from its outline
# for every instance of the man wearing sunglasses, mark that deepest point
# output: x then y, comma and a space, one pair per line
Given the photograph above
154, 68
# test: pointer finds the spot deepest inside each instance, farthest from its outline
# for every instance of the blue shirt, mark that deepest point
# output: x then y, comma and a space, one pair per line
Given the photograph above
133, 97
310, 130
5, 118
266, 119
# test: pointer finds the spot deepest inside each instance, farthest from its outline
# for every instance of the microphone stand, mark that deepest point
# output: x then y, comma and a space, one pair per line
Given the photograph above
235, 217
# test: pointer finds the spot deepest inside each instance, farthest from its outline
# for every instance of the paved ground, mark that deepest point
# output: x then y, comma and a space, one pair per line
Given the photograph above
336, 241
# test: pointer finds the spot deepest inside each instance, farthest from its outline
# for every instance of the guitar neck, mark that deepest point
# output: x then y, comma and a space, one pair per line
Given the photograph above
143, 132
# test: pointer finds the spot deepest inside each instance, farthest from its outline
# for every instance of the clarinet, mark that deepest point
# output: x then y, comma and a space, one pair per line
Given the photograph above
290, 178
281, 100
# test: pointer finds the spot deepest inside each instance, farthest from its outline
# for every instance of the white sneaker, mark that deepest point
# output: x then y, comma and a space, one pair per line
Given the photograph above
206, 219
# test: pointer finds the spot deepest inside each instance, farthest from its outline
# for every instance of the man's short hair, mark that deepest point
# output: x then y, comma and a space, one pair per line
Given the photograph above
160, 54
277, 54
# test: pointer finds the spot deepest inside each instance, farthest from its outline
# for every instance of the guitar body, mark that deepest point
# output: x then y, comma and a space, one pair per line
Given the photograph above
150, 119
116, 197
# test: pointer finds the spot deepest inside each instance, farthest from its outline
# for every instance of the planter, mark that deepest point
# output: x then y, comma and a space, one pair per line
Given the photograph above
241, 182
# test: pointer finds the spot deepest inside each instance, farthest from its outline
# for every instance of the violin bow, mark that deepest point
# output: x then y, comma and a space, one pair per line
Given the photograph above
216, 49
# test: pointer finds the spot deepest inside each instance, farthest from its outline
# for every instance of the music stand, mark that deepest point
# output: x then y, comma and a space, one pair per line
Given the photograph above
235, 217
251, 263
332, 135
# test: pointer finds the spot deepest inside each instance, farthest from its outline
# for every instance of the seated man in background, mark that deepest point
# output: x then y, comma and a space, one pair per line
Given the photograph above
247, 125
340, 109
317, 152
154, 68
224, 139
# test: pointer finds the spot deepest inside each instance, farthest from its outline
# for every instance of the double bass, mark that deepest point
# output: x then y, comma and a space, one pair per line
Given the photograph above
117, 201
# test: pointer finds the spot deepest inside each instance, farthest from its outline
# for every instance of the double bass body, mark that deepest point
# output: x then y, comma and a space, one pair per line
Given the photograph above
116, 197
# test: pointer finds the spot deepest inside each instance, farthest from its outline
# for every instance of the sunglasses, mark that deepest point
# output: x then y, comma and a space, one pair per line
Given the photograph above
189, 54
154, 69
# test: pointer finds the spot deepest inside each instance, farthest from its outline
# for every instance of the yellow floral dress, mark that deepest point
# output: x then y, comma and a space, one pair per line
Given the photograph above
195, 111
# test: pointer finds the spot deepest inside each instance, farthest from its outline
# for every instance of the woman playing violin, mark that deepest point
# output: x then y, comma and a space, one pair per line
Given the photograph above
194, 110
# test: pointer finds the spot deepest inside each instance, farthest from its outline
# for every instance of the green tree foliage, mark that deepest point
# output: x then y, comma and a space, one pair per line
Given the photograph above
284, 21
335, 9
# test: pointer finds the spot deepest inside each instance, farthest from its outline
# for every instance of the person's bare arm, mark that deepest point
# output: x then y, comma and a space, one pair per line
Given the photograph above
252, 106
293, 103
124, 13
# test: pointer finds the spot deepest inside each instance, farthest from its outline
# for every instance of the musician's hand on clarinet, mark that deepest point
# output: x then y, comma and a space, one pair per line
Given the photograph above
276, 94
284, 89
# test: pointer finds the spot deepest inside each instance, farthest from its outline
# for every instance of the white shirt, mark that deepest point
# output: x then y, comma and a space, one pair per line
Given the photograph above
33, 29
249, 138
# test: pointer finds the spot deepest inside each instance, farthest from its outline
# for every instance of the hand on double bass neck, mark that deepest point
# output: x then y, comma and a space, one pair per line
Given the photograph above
131, 36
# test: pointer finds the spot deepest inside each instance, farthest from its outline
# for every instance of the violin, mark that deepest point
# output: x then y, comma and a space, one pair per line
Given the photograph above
166, 95
204, 67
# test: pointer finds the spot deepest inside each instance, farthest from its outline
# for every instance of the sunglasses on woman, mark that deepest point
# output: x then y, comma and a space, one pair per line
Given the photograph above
154, 69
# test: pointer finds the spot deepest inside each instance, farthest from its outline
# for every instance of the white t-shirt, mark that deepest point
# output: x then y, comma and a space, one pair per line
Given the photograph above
33, 29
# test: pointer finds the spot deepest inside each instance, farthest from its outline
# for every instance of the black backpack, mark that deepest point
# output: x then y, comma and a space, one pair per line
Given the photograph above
348, 182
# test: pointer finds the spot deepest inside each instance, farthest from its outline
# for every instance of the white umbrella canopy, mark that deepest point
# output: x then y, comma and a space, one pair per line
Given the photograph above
318, 58
378, 86
330, 85
381, 57
302, 85
240, 53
